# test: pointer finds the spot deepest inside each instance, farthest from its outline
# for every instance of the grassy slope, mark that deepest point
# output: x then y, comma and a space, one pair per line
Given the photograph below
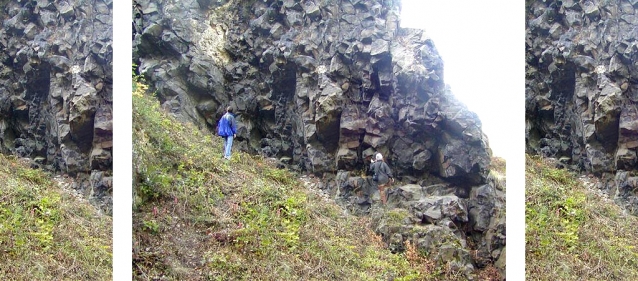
572, 233
46, 233
198, 217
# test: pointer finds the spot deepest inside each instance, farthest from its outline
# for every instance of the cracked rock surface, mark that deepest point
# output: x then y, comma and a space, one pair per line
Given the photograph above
582, 90
56, 90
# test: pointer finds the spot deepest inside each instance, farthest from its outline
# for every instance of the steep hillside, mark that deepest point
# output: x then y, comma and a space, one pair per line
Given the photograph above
573, 231
48, 231
199, 217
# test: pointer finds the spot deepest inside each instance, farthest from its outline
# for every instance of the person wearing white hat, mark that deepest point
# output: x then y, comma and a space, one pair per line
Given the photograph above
382, 175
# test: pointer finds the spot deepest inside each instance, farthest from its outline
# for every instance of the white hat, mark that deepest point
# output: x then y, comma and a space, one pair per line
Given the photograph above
379, 157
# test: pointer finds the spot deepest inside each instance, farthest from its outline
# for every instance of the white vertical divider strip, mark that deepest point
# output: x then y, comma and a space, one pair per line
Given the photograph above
515, 113
122, 141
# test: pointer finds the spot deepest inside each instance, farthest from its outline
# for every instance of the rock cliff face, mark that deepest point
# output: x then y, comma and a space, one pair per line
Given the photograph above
582, 89
321, 86
56, 89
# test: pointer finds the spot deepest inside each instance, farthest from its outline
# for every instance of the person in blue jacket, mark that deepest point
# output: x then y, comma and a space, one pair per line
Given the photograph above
227, 129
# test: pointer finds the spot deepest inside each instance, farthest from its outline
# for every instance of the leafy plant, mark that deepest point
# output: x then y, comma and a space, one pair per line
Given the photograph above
32, 175
151, 226
279, 175
44, 228
571, 229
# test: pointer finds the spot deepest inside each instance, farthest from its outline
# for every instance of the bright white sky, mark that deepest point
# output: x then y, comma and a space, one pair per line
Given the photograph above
483, 57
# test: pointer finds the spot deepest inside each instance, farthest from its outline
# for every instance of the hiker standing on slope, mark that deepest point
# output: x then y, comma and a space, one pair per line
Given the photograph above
227, 129
382, 175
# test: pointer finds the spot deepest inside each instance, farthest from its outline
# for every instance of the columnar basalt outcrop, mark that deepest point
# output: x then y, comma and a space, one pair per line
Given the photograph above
56, 89
319, 85
582, 89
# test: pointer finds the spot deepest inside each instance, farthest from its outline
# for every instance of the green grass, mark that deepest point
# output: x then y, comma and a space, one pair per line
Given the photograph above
572, 233
46, 233
199, 217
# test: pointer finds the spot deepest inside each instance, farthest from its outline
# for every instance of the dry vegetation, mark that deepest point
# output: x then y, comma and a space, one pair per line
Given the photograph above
46, 233
199, 217
572, 233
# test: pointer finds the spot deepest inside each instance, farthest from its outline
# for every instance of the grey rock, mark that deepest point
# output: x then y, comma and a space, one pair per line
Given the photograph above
580, 101
59, 96
434, 208
443, 247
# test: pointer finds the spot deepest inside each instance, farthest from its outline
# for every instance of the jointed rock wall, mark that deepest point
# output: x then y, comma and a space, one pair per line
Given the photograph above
582, 89
318, 84
56, 89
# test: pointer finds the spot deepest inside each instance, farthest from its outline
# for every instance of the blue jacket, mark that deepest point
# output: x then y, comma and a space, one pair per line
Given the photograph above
227, 125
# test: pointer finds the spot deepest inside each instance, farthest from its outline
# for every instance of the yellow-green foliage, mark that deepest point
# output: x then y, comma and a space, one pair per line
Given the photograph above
200, 217
573, 233
46, 233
